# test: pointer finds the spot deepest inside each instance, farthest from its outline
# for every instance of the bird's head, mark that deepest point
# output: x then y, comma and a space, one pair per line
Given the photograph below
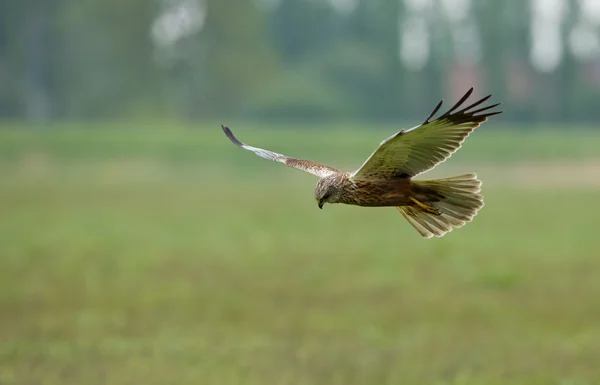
328, 190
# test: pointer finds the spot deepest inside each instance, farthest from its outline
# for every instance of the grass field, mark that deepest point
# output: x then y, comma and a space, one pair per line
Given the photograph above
132, 256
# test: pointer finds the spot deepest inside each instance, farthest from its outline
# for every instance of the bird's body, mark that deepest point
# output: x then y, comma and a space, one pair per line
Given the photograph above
373, 193
432, 207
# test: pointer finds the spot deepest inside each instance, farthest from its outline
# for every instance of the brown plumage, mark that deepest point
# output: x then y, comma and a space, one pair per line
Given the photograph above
432, 207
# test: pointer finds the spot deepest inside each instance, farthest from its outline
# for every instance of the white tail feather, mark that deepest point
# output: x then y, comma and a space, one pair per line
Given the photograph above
460, 203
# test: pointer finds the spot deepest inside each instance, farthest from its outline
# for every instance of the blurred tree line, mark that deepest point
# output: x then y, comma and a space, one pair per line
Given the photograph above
372, 60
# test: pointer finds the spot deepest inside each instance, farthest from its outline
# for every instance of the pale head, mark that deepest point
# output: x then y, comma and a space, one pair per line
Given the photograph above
328, 190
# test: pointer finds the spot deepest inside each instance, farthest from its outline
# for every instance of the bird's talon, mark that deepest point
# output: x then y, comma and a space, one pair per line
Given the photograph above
427, 208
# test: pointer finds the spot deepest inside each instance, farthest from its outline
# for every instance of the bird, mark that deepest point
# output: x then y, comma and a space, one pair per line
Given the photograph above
385, 179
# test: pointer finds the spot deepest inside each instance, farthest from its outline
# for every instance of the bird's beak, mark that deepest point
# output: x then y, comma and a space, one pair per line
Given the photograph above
320, 204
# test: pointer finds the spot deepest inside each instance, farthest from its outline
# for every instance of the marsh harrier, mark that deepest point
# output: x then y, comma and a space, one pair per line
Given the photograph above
432, 207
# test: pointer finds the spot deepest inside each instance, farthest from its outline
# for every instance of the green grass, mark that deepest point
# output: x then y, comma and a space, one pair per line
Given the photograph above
134, 257
338, 144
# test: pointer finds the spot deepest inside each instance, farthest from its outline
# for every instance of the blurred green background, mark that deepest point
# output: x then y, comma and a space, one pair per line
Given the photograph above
139, 246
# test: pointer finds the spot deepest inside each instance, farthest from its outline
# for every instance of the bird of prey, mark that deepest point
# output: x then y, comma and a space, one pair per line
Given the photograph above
432, 207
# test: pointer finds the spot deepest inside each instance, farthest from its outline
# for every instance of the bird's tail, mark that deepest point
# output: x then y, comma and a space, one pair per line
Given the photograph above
443, 204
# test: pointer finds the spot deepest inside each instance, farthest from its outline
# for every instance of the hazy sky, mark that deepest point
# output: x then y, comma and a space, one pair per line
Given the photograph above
547, 29
182, 18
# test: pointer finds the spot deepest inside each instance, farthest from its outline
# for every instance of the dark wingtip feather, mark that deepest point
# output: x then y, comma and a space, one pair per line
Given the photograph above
480, 101
460, 102
469, 113
231, 137
484, 109
493, 113
435, 110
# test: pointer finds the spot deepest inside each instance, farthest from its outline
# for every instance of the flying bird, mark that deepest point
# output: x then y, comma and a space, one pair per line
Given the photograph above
432, 207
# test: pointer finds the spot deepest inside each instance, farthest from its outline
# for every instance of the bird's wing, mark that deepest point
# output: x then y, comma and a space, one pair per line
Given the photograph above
411, 152
314, 168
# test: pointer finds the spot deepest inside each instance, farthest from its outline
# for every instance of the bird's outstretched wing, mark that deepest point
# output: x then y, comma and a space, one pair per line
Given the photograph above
304, 165
411, 152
